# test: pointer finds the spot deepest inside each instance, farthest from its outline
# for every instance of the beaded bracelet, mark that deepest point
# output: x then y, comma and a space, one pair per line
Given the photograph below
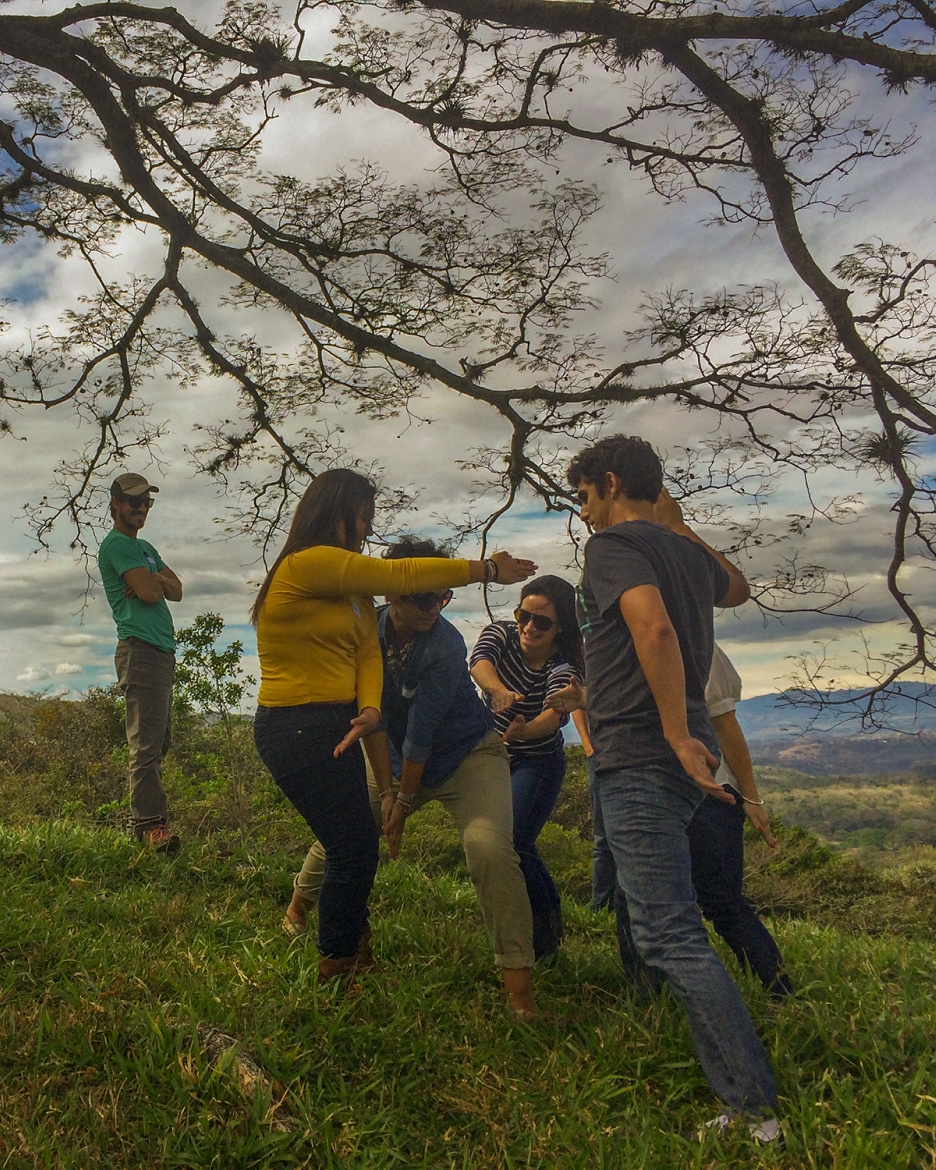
491, 571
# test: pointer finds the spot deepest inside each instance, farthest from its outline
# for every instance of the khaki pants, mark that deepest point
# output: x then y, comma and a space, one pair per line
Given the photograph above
144, 675
478, 797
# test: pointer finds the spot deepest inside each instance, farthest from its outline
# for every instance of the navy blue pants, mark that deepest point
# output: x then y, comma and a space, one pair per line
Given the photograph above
535, 782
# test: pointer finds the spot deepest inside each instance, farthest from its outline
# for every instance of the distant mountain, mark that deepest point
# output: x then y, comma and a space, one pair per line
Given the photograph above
911, 710
827, 741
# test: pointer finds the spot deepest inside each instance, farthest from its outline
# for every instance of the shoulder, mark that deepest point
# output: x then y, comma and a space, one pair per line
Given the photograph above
447, 637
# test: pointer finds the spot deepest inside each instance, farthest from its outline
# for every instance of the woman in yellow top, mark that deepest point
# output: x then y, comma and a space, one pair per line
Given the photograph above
321, 680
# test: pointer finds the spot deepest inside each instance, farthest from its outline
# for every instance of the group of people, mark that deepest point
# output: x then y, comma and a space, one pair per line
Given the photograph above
368, 712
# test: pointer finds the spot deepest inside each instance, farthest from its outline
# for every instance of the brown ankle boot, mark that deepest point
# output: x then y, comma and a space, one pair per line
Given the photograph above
366, 960
336, 968
518, 983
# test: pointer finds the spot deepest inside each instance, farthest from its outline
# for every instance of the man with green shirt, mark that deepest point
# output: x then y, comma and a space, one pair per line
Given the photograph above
138, 584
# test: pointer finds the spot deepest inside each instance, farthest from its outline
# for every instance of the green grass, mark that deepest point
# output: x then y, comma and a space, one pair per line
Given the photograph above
112, 958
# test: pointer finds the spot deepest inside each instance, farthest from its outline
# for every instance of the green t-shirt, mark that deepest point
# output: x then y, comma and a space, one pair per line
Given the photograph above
134, 618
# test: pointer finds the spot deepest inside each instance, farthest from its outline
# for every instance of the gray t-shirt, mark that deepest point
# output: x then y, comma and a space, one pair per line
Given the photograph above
623, 719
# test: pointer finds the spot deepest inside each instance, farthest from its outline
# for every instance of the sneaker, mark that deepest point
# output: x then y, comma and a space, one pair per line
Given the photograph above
160, 840
767, 1131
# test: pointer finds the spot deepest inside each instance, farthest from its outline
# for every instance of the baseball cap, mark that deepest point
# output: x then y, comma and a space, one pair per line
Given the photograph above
131, 484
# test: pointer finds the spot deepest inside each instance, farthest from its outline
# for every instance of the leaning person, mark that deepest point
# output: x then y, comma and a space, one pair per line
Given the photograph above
321, 681
138, 583
518, 665
646, 605
441, 741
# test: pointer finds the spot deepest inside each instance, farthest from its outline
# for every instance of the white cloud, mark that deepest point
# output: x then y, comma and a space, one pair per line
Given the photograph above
68, 668
33, 674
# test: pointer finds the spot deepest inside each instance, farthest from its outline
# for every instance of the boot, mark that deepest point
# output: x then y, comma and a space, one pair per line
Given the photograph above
518, 983
365, 959
336, 968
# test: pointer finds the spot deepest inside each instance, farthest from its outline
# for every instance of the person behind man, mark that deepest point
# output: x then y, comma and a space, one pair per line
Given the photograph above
716, 847
646, 604
138, 584
438, 739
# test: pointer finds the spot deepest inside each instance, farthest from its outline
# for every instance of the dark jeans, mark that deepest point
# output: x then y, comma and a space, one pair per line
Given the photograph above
296, 744
535, 782
604, 879
716, 843
646, 813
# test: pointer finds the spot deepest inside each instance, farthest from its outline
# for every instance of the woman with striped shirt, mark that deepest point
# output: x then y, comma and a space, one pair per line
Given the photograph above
518, 665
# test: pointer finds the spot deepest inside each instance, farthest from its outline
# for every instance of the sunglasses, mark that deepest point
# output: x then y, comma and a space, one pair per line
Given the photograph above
540, 621
428, 601
137, 501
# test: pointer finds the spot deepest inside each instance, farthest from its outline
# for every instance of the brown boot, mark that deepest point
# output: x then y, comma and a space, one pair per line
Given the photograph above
366, 960
336, 968
518, 983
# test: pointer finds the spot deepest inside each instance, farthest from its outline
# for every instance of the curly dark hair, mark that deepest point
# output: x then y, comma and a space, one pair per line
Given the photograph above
629, 457
412, 546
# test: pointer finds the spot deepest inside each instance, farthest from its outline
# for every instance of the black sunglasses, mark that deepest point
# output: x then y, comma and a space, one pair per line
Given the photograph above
427, 601
540, 620
137, 501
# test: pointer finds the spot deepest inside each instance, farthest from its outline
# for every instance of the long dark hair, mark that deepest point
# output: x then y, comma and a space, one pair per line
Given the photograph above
562, 596
334, 498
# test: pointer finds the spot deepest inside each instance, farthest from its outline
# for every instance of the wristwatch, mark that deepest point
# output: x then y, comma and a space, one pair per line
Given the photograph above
407, 799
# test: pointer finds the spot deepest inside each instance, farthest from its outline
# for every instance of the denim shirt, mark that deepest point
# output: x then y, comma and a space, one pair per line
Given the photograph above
432, 713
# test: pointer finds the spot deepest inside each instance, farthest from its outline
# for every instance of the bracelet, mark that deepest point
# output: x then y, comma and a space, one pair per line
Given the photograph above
491, 571
407, 799
747, 800
386, 792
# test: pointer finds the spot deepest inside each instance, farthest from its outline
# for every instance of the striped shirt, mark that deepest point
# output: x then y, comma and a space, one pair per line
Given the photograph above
499, 644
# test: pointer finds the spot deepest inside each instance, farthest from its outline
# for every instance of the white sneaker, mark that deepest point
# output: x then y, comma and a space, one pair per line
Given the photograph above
765, 1132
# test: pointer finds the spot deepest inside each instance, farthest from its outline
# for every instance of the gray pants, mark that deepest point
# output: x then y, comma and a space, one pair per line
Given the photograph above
479, 799
144, 675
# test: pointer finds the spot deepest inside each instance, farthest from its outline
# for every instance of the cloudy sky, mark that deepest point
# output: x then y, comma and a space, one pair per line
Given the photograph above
56, 634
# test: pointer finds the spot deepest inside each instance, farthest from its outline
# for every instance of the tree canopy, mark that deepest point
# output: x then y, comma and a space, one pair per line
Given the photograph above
122, 118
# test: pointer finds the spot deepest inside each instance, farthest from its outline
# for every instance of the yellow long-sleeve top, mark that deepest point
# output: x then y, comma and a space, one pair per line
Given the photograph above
317, 630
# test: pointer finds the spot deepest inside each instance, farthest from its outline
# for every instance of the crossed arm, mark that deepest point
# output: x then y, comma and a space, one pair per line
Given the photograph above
152, 587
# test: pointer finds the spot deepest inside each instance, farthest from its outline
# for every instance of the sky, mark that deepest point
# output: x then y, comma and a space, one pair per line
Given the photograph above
56, 633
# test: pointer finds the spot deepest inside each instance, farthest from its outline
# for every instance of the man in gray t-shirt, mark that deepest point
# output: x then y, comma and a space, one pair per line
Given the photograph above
645, 606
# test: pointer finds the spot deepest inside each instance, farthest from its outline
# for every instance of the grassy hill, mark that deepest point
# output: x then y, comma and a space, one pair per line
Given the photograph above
120, 969
154, 1014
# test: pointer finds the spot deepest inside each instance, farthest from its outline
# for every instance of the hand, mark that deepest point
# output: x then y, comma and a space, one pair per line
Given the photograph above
129, 591
387, 801
667, 512
393, 830
701, 765
516, 732
361, 725
503, 699
758, 817
512, 570
570, 698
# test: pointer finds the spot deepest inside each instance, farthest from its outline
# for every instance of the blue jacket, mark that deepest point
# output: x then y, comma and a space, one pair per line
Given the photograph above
433, 714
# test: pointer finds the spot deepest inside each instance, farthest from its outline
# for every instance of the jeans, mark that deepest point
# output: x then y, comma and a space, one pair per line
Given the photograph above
716, 844
646, 817
604, 879
296, 744
144, 676
477, 796
535, 782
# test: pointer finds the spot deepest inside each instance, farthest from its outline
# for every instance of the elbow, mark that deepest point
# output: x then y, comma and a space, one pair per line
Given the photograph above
739, 591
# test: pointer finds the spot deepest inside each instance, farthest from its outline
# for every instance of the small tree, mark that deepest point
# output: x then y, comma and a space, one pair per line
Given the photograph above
208, 679
212, 681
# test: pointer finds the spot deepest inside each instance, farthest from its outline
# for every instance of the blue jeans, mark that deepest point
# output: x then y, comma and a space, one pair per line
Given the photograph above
535, 782
296, 744
716, 845
647, 812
